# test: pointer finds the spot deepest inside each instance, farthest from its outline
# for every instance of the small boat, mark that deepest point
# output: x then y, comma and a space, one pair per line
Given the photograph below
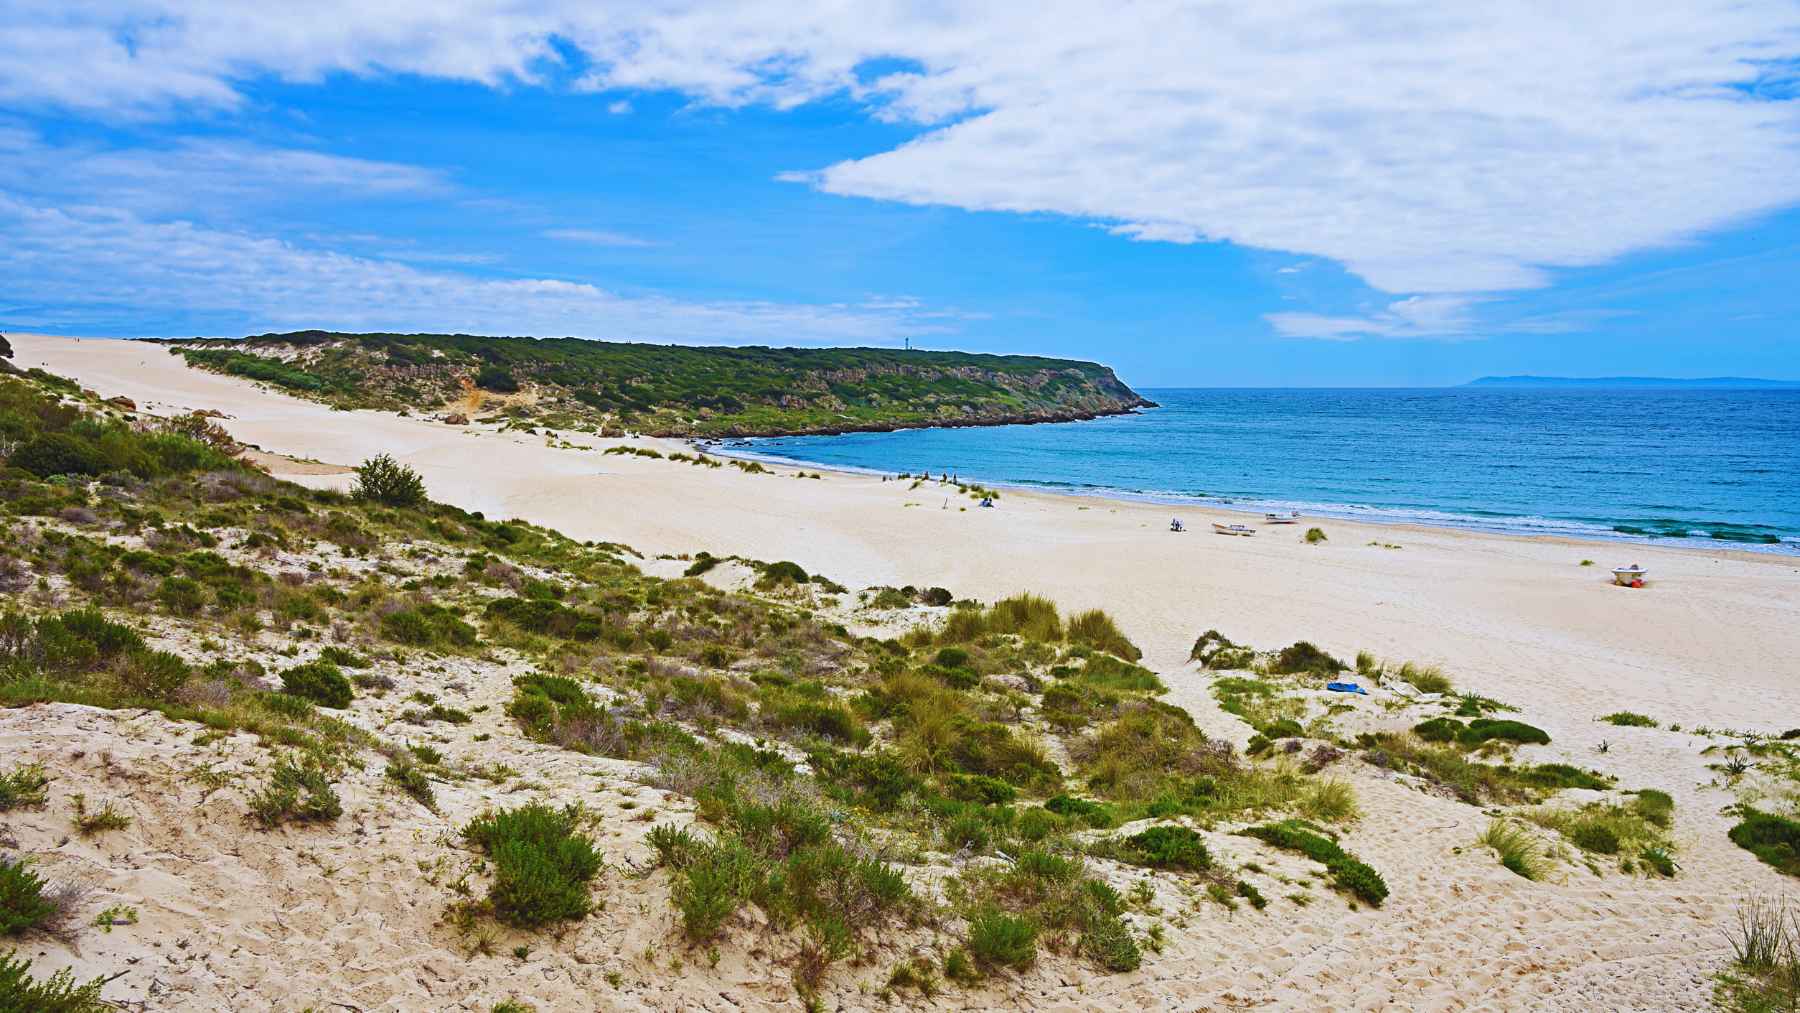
1233, 529
1629, 576
1291, 517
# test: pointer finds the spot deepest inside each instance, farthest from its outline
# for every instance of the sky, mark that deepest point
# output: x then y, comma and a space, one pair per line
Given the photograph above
1269, 194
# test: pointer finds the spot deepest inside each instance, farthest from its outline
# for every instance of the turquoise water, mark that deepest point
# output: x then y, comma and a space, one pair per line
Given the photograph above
1684, 465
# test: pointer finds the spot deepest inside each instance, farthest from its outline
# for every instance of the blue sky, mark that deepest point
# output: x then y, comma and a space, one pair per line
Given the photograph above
1293, 194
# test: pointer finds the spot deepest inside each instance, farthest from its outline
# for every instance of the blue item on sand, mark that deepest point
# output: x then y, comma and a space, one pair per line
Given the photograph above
1346, 687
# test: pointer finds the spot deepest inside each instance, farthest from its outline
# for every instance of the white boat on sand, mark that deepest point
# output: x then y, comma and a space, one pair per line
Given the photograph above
1630, 576
1291, 517
1233, 529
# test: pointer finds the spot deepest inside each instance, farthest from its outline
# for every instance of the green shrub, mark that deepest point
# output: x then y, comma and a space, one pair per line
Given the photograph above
412, 780
1216, 651
27, 785
335, 655
55, 994
22, 901
1097, 630
381, 479
1303, 658
1593, 835
1438, 729
491, 377
1331, 800
1658, 859
1315, 535
1107, 672
427, 626
320, 682
1026, 615
1630, 719
1773, 839
1346, 872
542, 863
713, 886
1656, 807
979, 788
182, 596
296, 791
1042, 865
1518, 850
959, 968
1168, 847
676, 847
783, 572
1485, 729
997, 939
58, 454
951, 657
1558, 775
153, 675
1094, 814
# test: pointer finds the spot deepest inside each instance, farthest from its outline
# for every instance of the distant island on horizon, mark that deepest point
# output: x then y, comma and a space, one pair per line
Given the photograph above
1661, 382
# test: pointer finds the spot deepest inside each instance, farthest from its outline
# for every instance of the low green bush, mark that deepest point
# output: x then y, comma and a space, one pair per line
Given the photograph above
1167, 847
1094, 814
1630, 719
407, 775
59, 993
542, 863
382, 479
1438, 729
298, 792
320, 682
1518, 851
1025, 615
1304, 658
1107, 672
152, 675
998, 939
1593, 835
427, 626
1486, 729
1347, 872
1773, 839
22, 901
1097, 630
26, 785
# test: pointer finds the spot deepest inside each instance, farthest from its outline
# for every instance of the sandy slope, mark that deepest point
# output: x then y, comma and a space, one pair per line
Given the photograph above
1713, 641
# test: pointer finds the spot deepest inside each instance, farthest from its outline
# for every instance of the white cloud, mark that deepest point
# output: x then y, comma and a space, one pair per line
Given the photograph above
190, 176
618, 108
1437, 317
114, 265
595, 237
1427, 147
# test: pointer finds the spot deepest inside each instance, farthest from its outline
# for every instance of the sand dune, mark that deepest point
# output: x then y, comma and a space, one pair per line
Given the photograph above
1712, 642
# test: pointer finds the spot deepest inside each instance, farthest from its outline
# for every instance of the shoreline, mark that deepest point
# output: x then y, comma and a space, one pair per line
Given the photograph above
1308, 511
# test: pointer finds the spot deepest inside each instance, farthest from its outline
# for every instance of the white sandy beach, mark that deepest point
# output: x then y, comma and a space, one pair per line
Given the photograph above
1712, 641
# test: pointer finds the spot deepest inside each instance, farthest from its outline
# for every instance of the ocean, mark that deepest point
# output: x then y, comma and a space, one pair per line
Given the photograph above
1682, 466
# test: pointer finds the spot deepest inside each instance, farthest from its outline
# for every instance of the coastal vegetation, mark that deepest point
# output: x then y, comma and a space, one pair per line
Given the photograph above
1764, 974
944, 794
816, 774
667, 390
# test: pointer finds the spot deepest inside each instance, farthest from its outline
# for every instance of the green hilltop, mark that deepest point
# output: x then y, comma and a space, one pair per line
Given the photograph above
670, 390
